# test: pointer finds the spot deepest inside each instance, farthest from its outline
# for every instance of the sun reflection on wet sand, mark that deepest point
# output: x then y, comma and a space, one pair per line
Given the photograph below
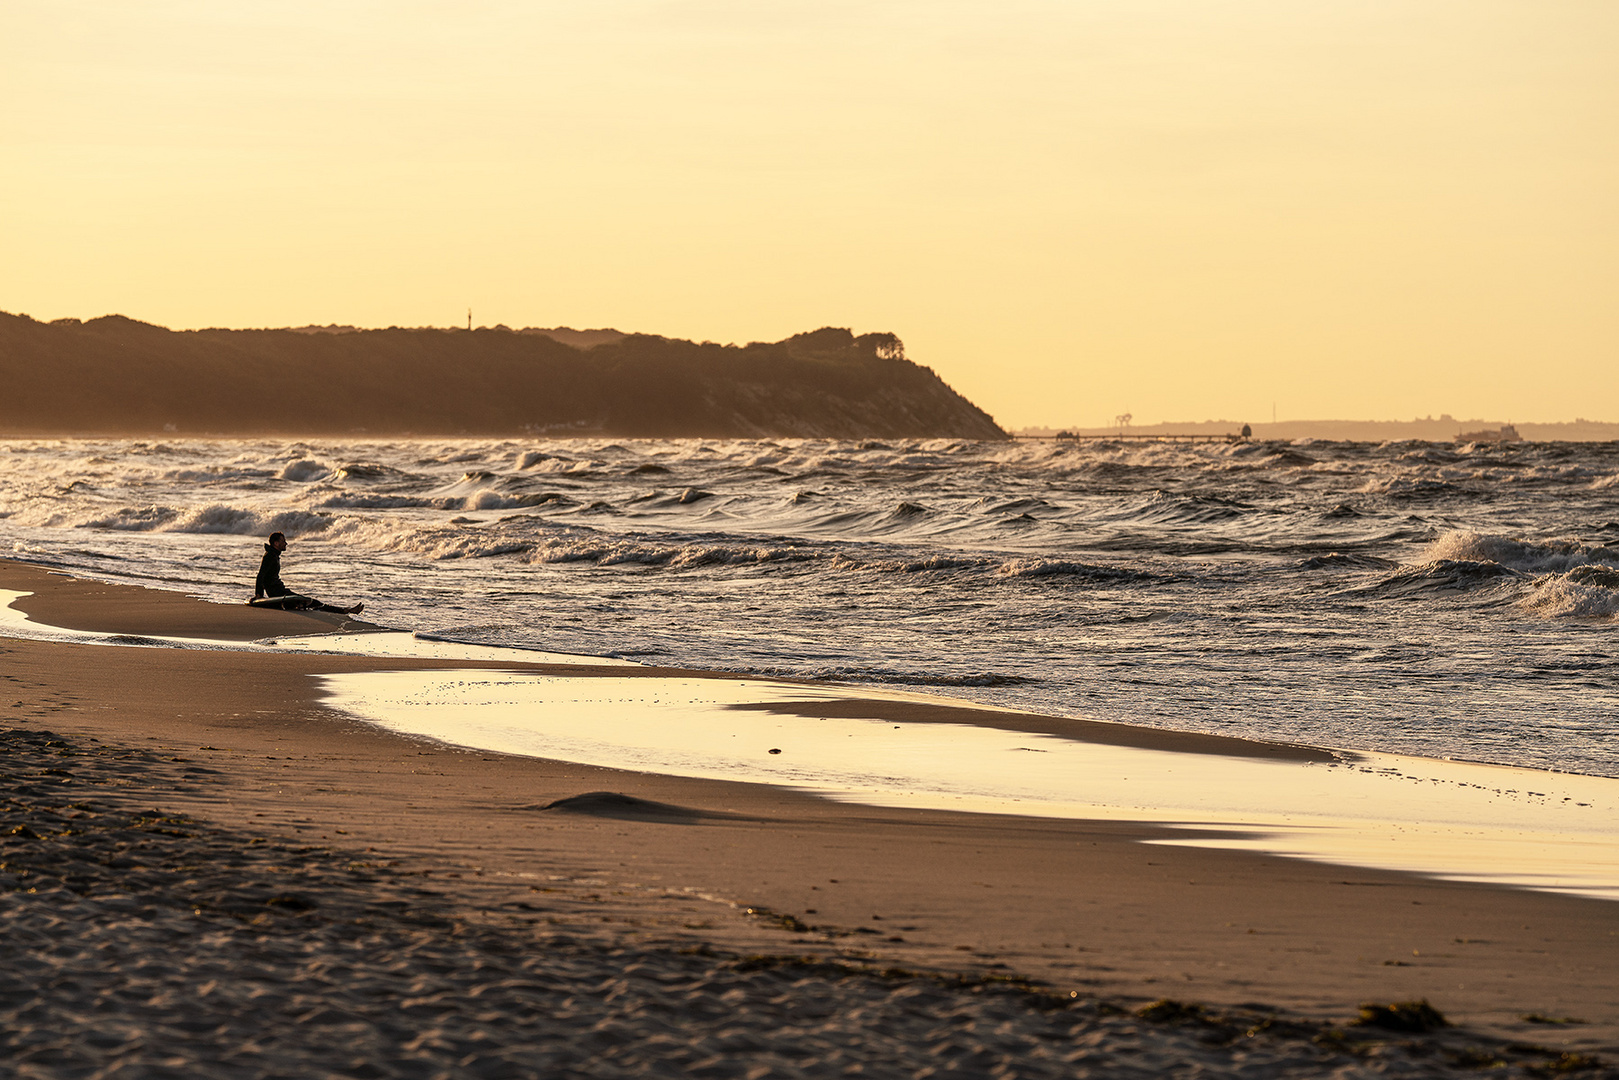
1457, 820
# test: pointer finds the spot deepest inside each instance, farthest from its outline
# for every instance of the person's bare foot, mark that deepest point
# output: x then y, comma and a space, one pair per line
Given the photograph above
356, 609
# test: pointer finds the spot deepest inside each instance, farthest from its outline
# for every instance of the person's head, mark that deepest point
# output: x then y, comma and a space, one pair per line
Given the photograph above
278, 541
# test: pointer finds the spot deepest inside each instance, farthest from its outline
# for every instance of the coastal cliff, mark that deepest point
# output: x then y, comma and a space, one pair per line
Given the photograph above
114, 375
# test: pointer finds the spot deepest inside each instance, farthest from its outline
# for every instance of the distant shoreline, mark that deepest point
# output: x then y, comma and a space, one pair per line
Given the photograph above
1443, 429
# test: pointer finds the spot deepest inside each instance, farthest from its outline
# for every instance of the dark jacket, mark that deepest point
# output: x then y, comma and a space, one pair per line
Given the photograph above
269, 580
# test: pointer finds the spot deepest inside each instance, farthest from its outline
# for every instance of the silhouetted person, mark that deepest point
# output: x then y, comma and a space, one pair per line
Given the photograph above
270, 591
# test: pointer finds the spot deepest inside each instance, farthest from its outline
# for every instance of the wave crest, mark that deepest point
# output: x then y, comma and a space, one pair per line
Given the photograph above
1407, 487
304, 470
494, 500
1526, 556
1585, 592
233, 520
1039, 568
134, 519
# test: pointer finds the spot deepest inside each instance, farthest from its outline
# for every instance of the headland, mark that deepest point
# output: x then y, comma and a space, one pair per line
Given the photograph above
115, 375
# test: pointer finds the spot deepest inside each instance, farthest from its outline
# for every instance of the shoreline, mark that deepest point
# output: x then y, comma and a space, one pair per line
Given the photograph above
1081, 905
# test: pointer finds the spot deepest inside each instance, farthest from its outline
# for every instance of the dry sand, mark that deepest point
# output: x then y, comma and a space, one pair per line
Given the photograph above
350, 902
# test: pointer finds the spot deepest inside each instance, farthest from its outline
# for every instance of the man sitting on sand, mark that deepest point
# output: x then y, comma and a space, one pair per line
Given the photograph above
268, 590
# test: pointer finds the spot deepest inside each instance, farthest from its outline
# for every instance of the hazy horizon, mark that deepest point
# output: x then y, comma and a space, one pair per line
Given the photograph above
1444, 421
1069, 210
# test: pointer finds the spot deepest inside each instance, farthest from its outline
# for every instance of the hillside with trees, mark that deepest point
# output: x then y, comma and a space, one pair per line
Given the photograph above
117, 376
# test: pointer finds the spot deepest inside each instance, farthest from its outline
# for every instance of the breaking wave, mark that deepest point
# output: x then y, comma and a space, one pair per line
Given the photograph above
1441, 575
1585, 592
1527, 556
134, 519
495, 500
1043, 568
234, 520
1546, 578
1405, 487
216, 518
304, 470
387, 502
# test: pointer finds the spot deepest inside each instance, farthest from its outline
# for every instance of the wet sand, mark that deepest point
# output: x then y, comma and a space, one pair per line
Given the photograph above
241, 742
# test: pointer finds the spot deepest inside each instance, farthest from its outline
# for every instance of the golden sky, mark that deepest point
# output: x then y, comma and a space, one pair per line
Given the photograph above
1183, 209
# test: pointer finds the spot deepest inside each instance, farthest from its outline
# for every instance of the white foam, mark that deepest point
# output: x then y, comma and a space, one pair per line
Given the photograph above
1530, 556
304, 470
1585, 592
240, 521
416, 647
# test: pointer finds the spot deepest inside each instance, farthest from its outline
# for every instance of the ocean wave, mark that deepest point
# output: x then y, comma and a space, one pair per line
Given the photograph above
1042, 568
1528, 556
540, 542
543, 541
1440, 575
233, 520
673, 557
659, 497
1585, 592
387, 502
473, 483
475, 546
533, 461
1544, 474
134, 519
305, 469
214, 474
1429, 454
929, 564
990, 505
495, 500
1287, 457
367, 472
1167, 507
216, 518
1408, 487
1339, 561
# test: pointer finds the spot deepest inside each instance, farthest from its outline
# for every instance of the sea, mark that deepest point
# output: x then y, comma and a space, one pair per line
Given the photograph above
1446, 601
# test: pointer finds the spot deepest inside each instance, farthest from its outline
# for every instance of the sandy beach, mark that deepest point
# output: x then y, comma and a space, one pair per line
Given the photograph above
209, 872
